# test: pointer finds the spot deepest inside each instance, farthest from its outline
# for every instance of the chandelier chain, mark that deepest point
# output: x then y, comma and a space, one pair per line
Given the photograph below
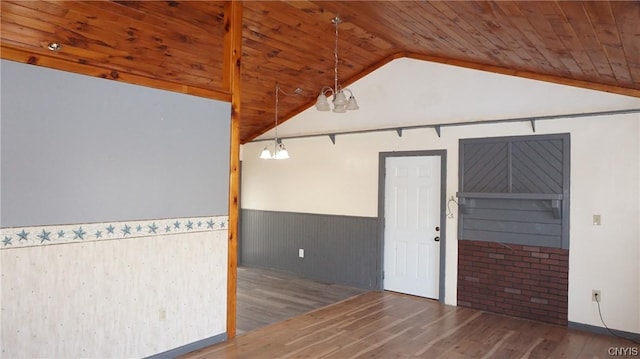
335, 54
277, 101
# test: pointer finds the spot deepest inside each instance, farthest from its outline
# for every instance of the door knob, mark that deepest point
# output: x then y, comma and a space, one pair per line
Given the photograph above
437, 239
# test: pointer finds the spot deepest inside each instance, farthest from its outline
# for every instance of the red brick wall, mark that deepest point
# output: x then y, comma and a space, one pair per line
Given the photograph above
520, 281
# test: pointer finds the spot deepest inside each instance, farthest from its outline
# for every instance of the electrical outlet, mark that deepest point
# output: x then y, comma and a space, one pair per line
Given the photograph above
301, 253
162, 314
596, 296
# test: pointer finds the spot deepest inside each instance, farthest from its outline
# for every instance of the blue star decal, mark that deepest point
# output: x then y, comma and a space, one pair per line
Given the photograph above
110, 229
222, 224
167, 229
177, 224
44, 236
199, 223
23, 235
139, 228
189, 225
153, 228
210, 224
79, 233
6, 241
98, 234
60, 233
126, 230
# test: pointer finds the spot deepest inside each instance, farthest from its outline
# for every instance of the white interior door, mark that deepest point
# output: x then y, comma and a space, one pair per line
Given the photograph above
412, 223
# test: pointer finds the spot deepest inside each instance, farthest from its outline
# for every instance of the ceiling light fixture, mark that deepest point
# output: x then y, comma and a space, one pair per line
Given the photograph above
279, 151
54, 46
340, 102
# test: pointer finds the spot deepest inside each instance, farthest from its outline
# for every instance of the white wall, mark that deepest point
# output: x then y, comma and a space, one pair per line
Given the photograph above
605, 163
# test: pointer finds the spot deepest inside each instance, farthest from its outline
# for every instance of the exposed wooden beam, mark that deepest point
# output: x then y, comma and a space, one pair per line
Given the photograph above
233, 55
19, 55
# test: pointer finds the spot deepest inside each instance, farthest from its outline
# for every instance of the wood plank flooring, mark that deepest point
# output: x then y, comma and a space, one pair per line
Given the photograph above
391, 325
265, 297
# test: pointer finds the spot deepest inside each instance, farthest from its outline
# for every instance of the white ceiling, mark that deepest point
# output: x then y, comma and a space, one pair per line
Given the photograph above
409, 92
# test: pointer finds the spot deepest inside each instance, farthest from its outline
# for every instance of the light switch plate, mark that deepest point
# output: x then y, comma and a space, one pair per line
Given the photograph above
596, 220
301, 253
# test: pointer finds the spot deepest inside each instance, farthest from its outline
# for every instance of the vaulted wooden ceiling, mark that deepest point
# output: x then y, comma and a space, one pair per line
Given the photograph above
180, 45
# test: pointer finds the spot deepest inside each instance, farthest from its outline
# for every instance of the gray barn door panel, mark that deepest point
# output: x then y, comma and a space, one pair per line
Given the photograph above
515, 190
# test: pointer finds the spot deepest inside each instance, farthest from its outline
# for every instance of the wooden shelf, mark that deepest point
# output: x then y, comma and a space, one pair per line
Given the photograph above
556, 199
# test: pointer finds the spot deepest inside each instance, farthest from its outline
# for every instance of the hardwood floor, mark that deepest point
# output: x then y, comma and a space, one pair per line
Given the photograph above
391, 325
265, 297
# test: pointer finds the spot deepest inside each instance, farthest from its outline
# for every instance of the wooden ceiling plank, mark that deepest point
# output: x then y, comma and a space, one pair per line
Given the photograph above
496, 22
308, 64
449, 43
92, 54
546, 40
466, 48
360, 15
386, 20
466, 27
529, 37
568, 36
23, 18
578, 19
201, 14
601, 16
627, 14
292, 31
19, 55
148, 50
160, 32
486, 23
57, 9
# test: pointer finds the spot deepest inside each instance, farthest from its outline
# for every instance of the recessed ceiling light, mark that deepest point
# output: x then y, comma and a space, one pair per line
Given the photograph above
54, 46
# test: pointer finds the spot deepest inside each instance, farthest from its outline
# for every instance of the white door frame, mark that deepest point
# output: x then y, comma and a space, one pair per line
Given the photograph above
443, 219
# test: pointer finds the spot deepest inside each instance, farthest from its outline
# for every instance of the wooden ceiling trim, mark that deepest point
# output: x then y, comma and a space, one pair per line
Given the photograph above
56, 63
529, 75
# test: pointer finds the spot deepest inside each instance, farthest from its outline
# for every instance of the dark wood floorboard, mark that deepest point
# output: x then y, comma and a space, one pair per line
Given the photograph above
265, 297
392, 325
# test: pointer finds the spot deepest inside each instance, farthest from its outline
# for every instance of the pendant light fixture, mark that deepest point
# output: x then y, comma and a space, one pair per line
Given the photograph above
279, 150
340, 102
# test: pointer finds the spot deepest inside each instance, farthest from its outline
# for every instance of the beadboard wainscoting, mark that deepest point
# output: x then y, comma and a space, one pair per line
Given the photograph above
114, 289
337, 249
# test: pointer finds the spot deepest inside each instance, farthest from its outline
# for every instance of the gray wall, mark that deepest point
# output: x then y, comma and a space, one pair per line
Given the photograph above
78, 149
338, 249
